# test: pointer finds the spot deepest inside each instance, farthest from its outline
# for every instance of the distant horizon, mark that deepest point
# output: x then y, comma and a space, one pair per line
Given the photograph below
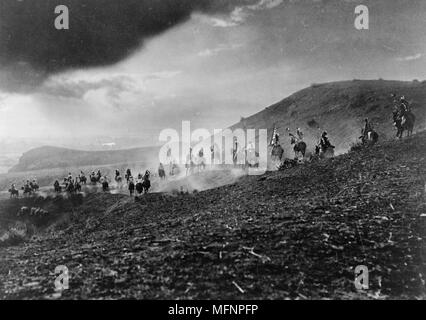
96, 141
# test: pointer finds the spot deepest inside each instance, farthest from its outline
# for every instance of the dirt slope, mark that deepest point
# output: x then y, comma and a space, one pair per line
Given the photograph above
291, 234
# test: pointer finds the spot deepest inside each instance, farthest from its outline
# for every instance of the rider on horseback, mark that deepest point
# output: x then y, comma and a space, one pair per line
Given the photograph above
56, 186
403, 118
131, 186
367, 129
299, 134
161, 171
324, 142
13, 191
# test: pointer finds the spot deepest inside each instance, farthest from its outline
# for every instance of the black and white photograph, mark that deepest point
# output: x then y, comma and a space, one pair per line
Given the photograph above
226, 151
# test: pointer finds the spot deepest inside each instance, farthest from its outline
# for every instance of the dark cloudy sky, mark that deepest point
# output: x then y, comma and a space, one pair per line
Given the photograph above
135, 67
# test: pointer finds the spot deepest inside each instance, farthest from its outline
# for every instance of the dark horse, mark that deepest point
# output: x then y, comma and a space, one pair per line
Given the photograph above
139, 187
27, 190
277, 152
372, 137
14, 193
299, 147
404, 123
83, 180
146, 183
161, 172
57, 187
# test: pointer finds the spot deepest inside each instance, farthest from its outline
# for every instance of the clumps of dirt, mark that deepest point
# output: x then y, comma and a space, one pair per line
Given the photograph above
297, 233
23, 217
15, 234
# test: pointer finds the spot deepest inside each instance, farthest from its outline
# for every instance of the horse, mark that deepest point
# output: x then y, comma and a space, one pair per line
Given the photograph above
70, 187
404, 123
146, 185
94, 179
28, 191
118, 179
83, 180
34, 186
14, 193
372, 137
128, 175
161, 173
57, 187
200, 163
105, 186
77, 187
299, 148
277, 152
326, 152
139, 187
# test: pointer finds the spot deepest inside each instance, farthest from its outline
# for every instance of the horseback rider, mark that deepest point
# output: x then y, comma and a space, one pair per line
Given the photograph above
56, 186
161, 171
70, 186
276, 138
128, 175
77, 185
235, 151
105, 185
189, 162
131, 186
368, 127
146, 175
140, 178
299, 134
324, 142
293, 138
404, 104
14, 193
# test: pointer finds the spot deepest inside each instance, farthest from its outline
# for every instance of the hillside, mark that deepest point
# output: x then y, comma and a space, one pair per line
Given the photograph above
297, 234
53, 157
340, 108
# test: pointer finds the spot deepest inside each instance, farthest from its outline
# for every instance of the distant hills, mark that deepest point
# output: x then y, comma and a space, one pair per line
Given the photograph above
54, 157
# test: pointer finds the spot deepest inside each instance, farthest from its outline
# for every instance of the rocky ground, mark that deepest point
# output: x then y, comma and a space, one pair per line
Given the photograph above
295, 234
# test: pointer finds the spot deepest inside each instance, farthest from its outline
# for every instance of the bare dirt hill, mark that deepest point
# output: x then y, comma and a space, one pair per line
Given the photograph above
297, 234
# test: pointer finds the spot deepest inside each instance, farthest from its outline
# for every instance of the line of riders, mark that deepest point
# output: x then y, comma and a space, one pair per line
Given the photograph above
141, 184
403, 120
28, 188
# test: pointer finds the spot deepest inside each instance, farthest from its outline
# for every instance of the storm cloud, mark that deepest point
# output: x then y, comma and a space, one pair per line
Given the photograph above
102, 32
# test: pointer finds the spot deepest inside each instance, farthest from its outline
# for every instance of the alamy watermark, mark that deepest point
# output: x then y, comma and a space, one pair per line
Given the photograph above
239, 147
62, 280
361, 278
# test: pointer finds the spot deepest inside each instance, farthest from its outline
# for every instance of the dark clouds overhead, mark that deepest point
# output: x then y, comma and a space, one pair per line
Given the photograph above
102, 32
